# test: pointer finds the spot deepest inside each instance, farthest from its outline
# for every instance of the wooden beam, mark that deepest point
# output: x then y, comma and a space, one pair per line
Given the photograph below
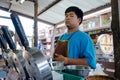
91, 11
115, 26
49, 6
31, 17
35, 23
10, 7
97, 9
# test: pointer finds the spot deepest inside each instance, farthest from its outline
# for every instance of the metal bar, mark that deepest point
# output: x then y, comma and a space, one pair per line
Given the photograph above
35, 23
97, 9
5, 17
25, 15
49, 6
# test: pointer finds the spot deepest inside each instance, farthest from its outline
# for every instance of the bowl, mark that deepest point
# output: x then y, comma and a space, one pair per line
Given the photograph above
99, 77
78, 70
57, 65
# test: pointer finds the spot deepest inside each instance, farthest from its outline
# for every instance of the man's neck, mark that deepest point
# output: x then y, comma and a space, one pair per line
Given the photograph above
72, 30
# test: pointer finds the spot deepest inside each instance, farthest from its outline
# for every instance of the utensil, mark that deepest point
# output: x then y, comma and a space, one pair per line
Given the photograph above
36, 63
4, 49
18, 60
79, 70
5, 52
2, 40
57, 65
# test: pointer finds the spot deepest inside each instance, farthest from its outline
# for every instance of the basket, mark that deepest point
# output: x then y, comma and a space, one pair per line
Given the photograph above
99, 77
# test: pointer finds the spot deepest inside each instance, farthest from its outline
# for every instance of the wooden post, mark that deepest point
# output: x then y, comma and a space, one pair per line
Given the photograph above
53, 41
35, 23
116, 35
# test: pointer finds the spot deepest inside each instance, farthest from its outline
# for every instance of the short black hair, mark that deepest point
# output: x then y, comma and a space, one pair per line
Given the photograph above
77, 11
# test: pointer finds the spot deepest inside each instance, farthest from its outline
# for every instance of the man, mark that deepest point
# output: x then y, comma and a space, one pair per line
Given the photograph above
80, 46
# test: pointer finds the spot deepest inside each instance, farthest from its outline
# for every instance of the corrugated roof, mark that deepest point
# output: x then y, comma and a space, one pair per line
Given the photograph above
54, 14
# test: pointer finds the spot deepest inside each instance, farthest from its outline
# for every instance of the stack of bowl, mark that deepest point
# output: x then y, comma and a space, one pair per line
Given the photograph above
78, 70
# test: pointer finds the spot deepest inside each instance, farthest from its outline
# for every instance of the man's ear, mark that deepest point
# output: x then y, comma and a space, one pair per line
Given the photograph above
79, 20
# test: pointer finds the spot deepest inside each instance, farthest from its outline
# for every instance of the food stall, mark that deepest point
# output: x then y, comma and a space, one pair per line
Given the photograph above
31, 61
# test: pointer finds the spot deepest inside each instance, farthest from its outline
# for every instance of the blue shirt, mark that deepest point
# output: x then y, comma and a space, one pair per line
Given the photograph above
81, 46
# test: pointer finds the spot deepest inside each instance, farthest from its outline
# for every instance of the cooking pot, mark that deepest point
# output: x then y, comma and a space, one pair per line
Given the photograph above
57, 65
78, 70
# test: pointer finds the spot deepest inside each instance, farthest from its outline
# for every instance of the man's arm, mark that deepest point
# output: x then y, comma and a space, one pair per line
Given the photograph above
71, 61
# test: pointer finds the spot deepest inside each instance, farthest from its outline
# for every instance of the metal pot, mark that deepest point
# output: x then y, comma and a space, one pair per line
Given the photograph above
78, 70
57, 65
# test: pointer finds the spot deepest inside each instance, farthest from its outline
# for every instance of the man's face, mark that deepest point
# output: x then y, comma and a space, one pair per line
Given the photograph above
71, 20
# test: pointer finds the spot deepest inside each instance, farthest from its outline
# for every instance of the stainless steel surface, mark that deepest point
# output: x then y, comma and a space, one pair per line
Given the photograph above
15, 62
35, 62
19, 64
79, 70
37, 65
7, 55
57, 65
16, 55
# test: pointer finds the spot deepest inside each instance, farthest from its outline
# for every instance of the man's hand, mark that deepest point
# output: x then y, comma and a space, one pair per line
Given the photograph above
61, 58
